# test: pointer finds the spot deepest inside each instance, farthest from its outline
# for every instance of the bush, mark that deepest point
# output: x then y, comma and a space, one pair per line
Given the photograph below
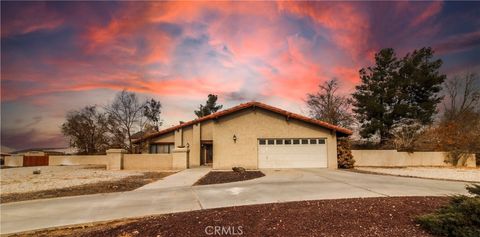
344, 154
460, 218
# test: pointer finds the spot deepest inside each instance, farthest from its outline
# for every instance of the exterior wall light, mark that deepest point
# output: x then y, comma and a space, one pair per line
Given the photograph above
234, 138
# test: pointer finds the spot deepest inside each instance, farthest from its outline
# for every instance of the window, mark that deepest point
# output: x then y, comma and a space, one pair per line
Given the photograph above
271, 141
304, 141
288, 141
261, 142
313, 141
279, 141
296, 141
161, 148
321, 141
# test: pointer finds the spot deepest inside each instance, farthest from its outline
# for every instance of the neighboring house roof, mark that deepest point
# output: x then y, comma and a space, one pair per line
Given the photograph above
50, 150
6, 149
243, 106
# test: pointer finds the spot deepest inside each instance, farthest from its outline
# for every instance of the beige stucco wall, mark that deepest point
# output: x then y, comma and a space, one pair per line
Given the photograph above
165, 138
14, 161
147, 161
207, 130
393, 158
187, 135
250, 125
78, 160
195, 146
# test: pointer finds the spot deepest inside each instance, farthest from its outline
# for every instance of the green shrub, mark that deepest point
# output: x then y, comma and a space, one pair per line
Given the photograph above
344, 154
461, 217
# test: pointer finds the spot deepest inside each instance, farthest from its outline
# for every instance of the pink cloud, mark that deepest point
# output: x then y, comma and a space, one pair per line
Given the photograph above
348, 27
32, 17
433, 9
458, 43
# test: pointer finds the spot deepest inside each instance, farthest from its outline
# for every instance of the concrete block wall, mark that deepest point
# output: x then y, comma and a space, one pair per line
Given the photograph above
78, 160
147, 161
394, 158
116, 159
14, 161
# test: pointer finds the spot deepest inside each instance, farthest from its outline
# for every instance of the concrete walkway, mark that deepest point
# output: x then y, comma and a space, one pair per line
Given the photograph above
183, 178
276, 186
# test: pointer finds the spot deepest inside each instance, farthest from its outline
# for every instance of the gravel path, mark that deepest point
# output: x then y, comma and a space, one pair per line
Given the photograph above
471, 175
22, 180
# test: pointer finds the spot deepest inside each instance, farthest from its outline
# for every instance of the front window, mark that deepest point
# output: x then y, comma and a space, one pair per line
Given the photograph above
161, 148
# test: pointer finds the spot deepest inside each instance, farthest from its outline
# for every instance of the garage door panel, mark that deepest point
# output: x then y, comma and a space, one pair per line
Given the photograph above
292, 156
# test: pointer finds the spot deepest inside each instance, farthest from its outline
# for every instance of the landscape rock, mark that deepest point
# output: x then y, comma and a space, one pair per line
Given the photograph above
238, 169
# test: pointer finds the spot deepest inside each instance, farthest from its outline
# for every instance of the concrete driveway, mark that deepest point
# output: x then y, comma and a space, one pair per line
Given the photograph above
276, 186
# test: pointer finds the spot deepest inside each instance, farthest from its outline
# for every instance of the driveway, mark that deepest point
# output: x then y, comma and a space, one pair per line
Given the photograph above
276, 186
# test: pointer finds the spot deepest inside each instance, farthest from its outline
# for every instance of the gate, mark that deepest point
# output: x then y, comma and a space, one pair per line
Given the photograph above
35, 160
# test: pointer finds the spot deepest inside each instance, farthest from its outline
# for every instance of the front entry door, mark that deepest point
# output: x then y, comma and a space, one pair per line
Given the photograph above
207, 154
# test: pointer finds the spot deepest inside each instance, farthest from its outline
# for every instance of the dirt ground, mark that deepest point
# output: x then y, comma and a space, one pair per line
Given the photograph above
22, 179
391, 216
128, 183
218, 177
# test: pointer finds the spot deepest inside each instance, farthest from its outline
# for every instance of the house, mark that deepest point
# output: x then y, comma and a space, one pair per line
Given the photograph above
48, 151
251, 135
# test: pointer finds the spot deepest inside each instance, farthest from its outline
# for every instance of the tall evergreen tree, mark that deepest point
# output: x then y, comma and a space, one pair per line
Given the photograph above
396, 90
209, 107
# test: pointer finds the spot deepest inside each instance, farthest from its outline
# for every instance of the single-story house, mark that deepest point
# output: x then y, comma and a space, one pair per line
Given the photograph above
251, 135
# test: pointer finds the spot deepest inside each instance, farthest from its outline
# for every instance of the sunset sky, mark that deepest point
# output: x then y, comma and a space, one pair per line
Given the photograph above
59, 56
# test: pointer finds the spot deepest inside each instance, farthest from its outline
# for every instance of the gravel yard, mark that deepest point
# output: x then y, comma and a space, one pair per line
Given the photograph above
22, 180
391, 217
462, 174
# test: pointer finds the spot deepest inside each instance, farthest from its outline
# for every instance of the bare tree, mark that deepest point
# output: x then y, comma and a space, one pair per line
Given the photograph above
126, 111
87, 130
463, 96
459, 129
327, 105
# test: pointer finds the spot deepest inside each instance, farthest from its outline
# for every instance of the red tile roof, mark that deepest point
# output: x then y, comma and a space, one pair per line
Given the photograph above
252, 104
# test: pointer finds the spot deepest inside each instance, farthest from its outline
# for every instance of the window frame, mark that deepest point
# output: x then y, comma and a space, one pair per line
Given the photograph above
161, 148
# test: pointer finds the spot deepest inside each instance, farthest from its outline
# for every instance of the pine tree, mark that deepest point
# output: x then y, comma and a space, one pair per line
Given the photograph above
209, 107
396, 90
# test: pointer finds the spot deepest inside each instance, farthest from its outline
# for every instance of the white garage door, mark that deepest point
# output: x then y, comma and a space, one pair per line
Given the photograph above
292, 153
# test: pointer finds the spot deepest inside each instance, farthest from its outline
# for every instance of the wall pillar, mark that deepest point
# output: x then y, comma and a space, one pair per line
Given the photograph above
194, 149
332, 161
179, 158
178, 138
115, 159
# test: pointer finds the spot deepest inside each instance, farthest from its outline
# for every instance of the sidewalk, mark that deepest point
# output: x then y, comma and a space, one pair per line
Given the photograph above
183, 178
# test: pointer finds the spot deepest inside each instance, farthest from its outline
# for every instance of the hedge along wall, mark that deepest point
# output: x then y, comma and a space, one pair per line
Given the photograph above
147, 161
393, 158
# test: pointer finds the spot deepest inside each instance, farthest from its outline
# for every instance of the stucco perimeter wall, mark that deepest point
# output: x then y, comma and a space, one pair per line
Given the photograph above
248, 126
393, 158
78, 160
147, 161
14, 161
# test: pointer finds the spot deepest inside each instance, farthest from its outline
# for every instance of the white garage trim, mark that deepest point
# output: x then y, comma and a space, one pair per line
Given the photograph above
292, 153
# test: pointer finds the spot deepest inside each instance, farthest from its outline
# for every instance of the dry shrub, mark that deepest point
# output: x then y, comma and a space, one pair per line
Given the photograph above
344, 154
